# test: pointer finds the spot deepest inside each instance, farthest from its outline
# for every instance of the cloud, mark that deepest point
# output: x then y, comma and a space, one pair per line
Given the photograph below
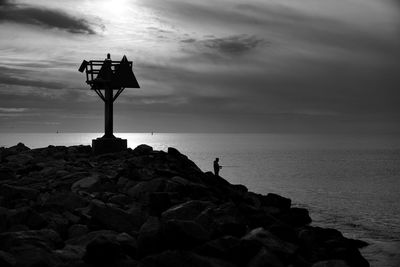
237, 44
10, 76
47, 18
13, 110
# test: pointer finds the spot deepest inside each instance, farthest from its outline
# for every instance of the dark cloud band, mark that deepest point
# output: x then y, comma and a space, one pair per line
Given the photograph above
47, 18
237, 44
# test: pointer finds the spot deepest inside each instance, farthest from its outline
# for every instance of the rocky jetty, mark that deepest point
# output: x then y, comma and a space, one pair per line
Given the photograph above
63, 206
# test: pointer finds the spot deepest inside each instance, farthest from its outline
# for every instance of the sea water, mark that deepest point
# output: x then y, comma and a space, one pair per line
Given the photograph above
348, 182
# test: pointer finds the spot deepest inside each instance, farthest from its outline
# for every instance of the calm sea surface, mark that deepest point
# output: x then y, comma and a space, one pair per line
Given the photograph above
351, 183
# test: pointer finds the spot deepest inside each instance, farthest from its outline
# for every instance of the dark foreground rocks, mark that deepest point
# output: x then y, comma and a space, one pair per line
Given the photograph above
62, 206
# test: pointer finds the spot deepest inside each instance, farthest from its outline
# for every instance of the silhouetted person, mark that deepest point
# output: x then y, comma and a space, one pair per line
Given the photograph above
217, 167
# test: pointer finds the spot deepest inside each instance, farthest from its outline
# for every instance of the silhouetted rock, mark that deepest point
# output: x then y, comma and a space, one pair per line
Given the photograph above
62, 206
296, 217
182, 234
111, 218
143, 150
186, 211
274, 200
77, 230
284, 250
103, 251
150, 239
265, 258
7, 259
182, 258
331, 263
7, 174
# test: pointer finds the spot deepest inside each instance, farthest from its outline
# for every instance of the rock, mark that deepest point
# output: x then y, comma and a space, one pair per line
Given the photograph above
57, 222
138, 213
64, 183
296, 217
7, 259
87, 184
265, 258
174, 152
150, 239
4, 217
231, 249
29, 217
142, 190
45, 238
159, 202
111, 218
128, 244
181, 258
72, 218
70, 255
284, 250
103, 251
223, 220
274, 200
84, 240
32, 248
64, 201
30, 255
20, 147
7, 174
142, 150
119, 199
331, 263
12, 193
184, 234
186, 211
77, 230
257, 217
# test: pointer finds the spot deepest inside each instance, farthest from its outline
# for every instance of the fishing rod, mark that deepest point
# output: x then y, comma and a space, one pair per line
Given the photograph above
230, 166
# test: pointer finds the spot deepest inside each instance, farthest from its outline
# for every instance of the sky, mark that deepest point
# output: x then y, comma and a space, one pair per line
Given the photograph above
279, 66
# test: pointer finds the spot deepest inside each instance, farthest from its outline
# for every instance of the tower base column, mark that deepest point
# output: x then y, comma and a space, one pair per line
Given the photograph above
108, 145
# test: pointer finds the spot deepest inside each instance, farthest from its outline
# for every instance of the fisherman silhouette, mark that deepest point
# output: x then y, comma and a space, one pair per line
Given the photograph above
217, 167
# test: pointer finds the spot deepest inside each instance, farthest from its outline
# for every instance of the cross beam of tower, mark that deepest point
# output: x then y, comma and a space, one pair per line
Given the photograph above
106, 77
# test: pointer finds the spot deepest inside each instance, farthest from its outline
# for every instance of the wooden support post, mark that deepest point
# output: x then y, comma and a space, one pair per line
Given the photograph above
108, 126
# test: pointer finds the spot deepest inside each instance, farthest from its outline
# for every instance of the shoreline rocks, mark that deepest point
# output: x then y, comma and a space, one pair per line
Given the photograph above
62, 206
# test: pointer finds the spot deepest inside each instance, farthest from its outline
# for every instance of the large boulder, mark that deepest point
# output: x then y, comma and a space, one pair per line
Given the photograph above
265, 258
20, 147
284, 250
88, 184
296, 217
29, 217
222, 220
103, 251
7, 259
142, 150
150, 239
184, 234
7, 174
111, 218
274, 200
331, 263
84, 240
142, 190
64, 200
44, 238
13, 193
177, 258
186, 211
231, 249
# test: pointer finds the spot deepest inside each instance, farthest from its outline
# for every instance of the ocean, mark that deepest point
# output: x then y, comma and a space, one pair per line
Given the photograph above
348, 182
